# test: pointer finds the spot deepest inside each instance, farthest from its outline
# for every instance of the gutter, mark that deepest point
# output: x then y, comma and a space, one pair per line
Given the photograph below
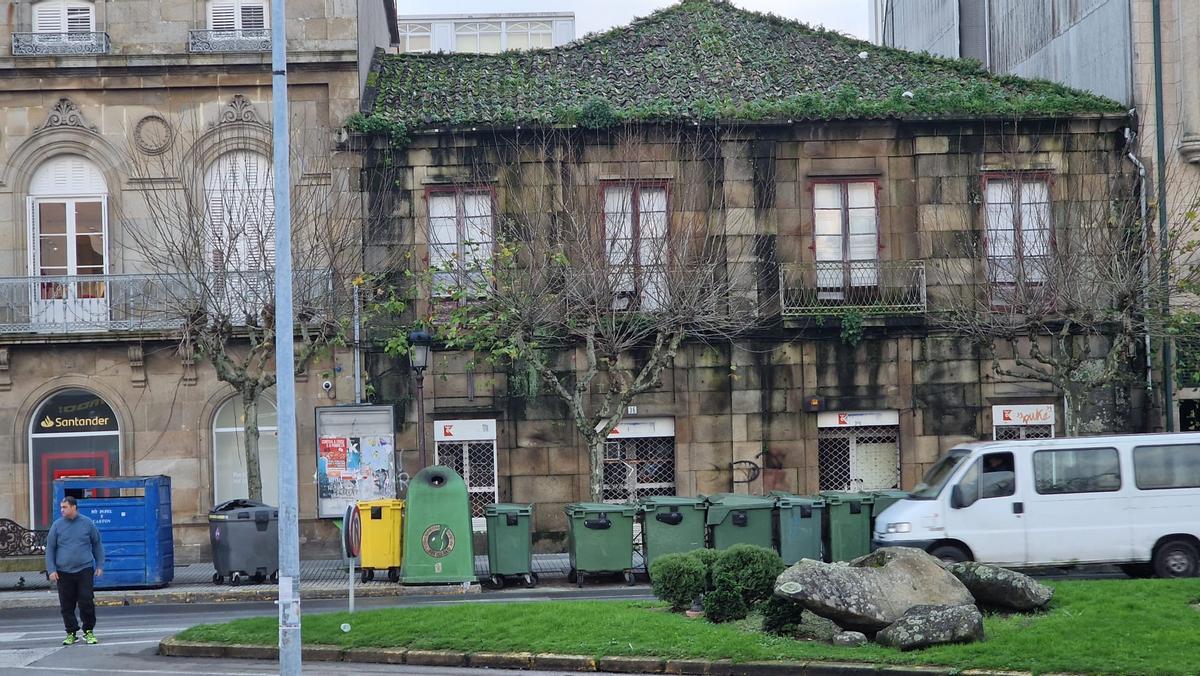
1164, 239
1130, 135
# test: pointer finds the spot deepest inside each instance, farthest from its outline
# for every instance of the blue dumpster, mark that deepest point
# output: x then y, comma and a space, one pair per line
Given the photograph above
133, 515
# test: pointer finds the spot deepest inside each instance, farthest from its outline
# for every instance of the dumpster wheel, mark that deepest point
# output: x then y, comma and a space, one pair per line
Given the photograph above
368, 574
275, 577
572, 576
393, 574
496, 581
218, 578
531, 579
630, 578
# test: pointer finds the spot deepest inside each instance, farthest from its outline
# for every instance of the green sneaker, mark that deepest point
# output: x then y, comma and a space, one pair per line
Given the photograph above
70, 639
89, 638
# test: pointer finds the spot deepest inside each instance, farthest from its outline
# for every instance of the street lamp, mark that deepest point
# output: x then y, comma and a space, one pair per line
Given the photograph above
418, 359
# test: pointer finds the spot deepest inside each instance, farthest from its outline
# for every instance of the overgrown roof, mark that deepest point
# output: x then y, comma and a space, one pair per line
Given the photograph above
706, 60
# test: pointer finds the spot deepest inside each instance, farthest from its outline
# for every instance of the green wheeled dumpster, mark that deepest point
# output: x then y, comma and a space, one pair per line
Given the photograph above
734, 519
847, 524
801, 526
671, 525
437, 529
600, 539
510, 548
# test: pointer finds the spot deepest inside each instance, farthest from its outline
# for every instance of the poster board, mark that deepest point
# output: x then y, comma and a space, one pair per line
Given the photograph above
356, 457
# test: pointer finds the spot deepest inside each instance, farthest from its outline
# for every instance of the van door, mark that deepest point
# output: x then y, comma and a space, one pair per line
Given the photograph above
1076, 512
988, 517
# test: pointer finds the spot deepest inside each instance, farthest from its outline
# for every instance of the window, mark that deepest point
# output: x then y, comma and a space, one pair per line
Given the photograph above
64, 16
858, 458
635, 241
460, 239
1156, 467
229, 451
1087, 470
236, 15
477, 38
529, 35
1018, 229
241, 212
73, 433
845, 236
416, 37
469, 448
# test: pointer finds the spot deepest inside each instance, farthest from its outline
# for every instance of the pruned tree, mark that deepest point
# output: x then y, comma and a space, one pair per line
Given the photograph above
615, 246
206, 228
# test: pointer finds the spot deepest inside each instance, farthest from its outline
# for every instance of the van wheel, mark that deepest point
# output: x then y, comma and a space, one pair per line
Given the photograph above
949, 554
1177, 558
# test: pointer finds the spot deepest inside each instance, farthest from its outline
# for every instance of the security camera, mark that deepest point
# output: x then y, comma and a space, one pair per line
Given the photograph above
327, 385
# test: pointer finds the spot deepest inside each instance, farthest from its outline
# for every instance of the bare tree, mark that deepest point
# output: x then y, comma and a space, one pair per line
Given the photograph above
613, 245
205, 227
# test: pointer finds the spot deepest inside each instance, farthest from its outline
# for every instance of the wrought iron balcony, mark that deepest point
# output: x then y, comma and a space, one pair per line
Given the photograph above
869, 287
245, 40
59, 44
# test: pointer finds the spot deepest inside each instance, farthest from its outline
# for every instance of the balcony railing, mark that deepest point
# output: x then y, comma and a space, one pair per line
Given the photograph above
245, 40
869, 287
59, 44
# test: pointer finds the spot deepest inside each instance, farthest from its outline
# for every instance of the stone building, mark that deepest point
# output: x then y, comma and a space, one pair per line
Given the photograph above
858, 172
90, 383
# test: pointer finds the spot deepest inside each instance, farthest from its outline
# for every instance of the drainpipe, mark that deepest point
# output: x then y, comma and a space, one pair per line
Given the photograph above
358, 390
1164, 241
1146, 235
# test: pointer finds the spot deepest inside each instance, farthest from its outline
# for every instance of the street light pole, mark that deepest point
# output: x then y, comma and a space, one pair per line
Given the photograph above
418, 358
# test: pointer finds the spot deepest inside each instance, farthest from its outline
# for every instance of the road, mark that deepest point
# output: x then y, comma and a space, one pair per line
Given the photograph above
30, 639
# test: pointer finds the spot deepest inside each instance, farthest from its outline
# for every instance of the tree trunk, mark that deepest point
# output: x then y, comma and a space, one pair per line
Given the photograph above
596, 464
253, 469
1074, 404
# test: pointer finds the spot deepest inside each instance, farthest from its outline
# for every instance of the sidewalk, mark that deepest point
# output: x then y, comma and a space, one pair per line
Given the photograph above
193, 584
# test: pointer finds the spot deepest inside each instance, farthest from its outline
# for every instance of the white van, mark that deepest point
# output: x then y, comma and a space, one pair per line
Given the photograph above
1132, 500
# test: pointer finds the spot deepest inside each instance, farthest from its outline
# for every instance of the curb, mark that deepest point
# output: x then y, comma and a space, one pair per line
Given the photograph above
172, 647
270, 593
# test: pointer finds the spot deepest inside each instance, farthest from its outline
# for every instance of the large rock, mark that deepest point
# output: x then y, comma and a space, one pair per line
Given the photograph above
850, 638
923, 626
816, 628
872, 591
1000, 587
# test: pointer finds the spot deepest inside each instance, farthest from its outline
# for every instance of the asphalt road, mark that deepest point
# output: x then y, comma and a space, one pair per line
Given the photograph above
30, 639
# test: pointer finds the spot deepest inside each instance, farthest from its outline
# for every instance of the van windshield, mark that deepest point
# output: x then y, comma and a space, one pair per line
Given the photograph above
937, 475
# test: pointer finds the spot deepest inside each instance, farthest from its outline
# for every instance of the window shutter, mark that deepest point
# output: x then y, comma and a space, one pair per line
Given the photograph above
254, 16
48, 17
79, 19
221, 15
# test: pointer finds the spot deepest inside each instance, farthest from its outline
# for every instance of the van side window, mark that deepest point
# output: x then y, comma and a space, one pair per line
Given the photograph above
1084, 470
998, 479
968, 486
1176, 466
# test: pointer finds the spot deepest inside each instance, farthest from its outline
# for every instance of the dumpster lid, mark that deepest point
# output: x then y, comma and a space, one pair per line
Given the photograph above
786, 500
599, 508
498, 508
840, 497
721, 504
239, 503
655, 501
891, 493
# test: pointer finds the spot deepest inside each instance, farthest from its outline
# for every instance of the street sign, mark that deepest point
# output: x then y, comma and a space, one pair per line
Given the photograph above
352, 531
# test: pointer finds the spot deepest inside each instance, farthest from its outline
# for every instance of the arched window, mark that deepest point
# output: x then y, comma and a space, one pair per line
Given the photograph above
64, 16
241, 212
68, 236
73, 433
229, 451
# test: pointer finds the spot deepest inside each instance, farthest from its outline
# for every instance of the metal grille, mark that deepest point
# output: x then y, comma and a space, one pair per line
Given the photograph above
638, 468
475, 462
858, 458
1010, 432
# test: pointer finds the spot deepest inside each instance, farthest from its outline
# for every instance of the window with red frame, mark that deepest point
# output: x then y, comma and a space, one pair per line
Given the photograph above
845, 236
460, 238
1017, 211
635, 240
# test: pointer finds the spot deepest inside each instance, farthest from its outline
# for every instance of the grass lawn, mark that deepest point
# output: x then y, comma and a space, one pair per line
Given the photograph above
1092, 626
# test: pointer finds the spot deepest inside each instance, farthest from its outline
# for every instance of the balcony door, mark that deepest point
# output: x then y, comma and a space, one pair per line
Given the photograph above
845, 239
68, 218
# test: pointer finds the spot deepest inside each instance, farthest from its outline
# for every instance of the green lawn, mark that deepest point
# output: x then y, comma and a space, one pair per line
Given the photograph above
1092, 626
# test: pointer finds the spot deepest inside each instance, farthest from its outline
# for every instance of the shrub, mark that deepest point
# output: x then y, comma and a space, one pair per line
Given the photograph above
707, 558
781, 616
725, 604
597, 113
749, 569
677, 579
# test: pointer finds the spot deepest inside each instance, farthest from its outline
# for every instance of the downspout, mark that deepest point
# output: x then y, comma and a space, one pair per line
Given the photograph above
1146, 235
358, 390
1163, 237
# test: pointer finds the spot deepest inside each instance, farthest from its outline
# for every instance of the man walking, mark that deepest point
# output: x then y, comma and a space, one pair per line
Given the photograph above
73, 556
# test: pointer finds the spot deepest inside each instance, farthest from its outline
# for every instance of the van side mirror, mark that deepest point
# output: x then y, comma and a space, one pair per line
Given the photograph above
956, 497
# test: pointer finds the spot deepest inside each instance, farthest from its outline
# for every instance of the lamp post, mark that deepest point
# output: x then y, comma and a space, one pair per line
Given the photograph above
418, 359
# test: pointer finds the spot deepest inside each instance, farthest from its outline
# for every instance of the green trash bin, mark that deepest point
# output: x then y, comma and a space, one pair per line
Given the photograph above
671, 525
437, 529
734, 519
510, 550
600, 539
883, 500
847, 524
801, 526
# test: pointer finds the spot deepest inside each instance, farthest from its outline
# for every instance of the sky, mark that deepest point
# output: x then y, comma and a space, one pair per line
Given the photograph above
847, 16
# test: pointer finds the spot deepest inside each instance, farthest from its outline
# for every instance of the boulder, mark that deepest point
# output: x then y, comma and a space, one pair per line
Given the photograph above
850, 638
998, 587
872, 591
924, 626
816, 628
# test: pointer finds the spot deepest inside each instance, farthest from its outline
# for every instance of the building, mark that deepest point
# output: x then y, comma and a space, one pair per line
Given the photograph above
853, 173
484, 33
1103, 46
93, 380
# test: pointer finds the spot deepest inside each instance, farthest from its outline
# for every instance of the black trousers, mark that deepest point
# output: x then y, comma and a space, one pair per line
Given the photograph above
76, 589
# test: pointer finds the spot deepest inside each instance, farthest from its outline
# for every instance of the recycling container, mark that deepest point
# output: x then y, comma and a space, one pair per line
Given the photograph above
133, 515
671, 525
883, 500
734, 519
437, 529
382, 522
509, 543
600, 539
244, 535
800, 526
847, 524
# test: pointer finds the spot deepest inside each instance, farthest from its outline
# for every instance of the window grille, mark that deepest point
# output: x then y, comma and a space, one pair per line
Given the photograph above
475, 462
638, 468
1014, 432
858, 458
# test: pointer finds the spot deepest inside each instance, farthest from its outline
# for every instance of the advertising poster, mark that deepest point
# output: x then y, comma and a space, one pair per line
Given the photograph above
350, 469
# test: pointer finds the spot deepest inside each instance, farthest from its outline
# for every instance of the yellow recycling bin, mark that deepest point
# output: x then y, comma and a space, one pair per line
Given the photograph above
382, 528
